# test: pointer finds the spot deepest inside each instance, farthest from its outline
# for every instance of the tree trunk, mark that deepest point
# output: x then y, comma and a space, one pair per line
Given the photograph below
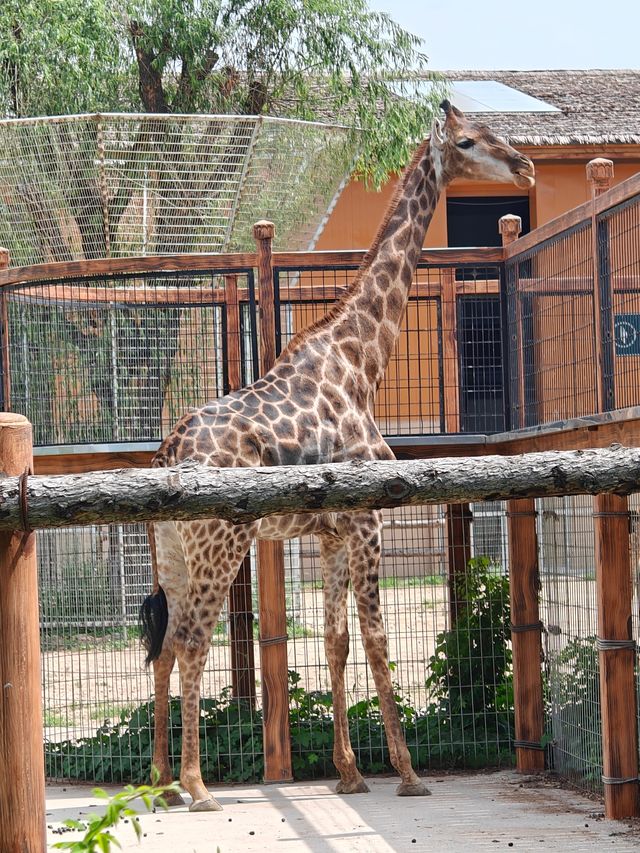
244, 494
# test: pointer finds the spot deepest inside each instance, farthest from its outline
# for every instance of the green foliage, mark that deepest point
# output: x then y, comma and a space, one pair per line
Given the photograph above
328, 60
469, 721
97, 828
60, 56
470, 677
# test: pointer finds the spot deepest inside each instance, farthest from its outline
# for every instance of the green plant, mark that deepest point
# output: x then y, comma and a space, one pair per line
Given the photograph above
470, 680
97, 828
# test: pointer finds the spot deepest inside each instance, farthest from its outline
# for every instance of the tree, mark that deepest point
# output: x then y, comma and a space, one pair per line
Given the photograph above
328, 60
59, 57
331, 60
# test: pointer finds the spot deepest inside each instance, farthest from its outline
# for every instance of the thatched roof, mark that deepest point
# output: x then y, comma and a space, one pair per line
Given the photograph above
597, 107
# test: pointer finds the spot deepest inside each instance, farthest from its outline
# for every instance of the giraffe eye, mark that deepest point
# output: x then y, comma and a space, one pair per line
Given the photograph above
466, 143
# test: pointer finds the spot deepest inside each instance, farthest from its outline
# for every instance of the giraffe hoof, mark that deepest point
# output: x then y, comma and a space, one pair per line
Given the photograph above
171, 798
358, 786
210, 805
412, 789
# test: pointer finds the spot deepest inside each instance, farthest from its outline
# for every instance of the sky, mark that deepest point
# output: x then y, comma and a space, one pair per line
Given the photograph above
520, 35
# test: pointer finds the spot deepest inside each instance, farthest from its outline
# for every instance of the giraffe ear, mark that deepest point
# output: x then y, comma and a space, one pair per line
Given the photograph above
436, 132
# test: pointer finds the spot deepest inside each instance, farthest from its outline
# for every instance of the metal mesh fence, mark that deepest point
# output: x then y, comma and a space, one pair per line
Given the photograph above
96, 691
120, 358
446, 372
619, 265
569, 614
551, 330
112, 185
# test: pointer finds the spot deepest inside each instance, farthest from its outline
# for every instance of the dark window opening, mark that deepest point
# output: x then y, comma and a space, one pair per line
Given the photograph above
473, 222
480, 360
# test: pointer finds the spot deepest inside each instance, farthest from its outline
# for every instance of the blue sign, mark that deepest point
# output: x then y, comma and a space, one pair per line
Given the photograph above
626, 332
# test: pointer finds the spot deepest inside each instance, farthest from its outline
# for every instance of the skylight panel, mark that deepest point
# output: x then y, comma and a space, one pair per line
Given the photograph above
488, 96
479, 96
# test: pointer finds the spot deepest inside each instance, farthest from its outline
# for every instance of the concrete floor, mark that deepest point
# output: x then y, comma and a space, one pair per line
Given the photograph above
487, 811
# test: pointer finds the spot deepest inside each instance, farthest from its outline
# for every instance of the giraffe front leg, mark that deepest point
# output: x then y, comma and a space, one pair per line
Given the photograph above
335, 574
364, 548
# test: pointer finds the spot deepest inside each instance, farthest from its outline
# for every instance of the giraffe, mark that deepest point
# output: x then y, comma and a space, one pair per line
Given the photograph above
315, 405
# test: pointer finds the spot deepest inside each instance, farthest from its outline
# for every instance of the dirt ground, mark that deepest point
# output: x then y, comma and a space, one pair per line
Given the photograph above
84, 686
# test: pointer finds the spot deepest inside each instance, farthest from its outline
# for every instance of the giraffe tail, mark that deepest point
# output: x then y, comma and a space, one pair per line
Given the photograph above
154, 616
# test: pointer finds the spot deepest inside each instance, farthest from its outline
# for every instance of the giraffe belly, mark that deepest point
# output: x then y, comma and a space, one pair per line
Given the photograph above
279, 527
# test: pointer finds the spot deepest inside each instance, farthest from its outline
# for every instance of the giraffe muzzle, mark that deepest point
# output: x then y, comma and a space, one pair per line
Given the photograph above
524, 173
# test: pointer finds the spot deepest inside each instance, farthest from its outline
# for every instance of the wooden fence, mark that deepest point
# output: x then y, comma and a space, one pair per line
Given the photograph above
21, 803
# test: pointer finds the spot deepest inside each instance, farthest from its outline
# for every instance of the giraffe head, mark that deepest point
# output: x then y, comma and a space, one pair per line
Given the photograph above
467, 149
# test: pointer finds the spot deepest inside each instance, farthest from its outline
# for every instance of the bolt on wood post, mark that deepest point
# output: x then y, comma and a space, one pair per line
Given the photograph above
510, 227
526, 642
22, 801
600, 177
271, 576
616, 653
243, 665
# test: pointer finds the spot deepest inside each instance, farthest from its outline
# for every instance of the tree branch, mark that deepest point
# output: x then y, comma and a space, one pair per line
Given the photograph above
149, 78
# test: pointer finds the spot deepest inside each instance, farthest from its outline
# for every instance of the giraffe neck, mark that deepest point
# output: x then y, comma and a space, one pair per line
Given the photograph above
374, 307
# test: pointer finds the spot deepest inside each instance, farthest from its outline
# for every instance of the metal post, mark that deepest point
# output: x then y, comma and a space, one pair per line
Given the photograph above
5, 364
243, 667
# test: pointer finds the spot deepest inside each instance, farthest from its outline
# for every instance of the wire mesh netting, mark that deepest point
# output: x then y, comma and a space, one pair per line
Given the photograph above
446, 372
121, 358
619, 269
569, 613
551, 329
112, 185
451, 666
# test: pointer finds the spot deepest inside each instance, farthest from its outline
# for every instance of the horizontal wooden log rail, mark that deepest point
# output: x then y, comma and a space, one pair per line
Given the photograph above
225, 263
242, 495
203, 294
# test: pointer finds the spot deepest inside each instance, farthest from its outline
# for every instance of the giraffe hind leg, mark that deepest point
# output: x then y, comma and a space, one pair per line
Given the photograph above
363, 544
157, 615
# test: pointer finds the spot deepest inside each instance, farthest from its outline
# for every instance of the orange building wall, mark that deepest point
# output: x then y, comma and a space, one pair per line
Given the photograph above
559, 187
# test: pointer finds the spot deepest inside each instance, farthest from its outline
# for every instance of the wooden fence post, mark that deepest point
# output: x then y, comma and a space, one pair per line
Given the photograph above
600, 176
271, 578
243, 666
458, 525
525, 634
457, 516
510, 227
617, 652
22, 801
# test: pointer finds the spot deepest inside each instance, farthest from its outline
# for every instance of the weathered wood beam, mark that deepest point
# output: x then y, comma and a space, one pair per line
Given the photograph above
245, 494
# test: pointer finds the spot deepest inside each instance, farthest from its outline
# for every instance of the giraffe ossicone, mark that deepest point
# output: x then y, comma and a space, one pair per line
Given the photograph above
315, 405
